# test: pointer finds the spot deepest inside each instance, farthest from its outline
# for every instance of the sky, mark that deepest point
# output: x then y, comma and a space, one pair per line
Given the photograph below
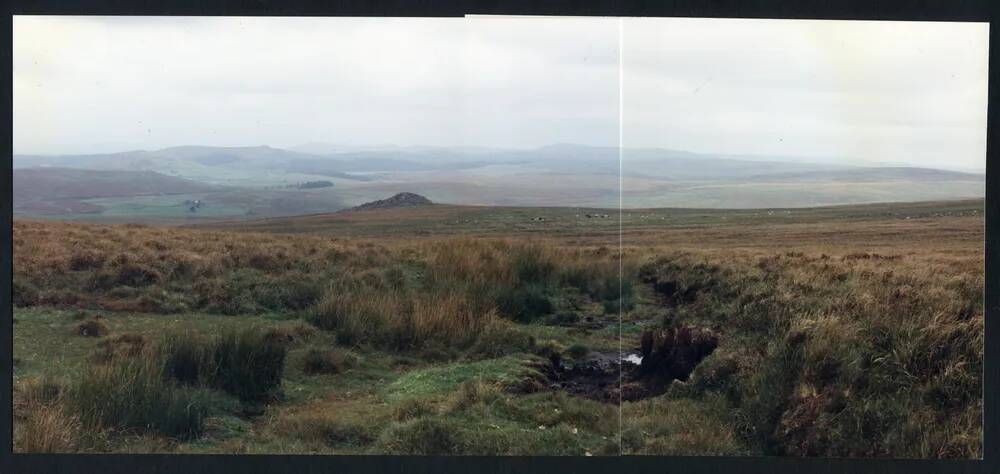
869, 92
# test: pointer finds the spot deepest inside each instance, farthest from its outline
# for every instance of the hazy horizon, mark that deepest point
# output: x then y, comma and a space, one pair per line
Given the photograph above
474, 151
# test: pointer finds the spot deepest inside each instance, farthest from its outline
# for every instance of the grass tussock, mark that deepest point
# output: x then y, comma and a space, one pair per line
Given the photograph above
328, 361
134, 394
838, 358
47, 429
161, 270
122, 345
291, 335
164, 390
425, 436
41, 425
405, 321
247, 364
468, 288
412, 408
150, 269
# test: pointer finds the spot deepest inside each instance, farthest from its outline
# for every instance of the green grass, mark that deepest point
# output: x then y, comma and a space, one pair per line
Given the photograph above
46, 345
480, 419
510, 370
604, 339
352, 411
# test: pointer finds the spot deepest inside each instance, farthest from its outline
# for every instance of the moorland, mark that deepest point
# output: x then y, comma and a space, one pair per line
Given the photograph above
847, 331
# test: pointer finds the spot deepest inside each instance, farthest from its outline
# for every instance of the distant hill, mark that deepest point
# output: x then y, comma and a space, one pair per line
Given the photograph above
214, 164
151, 197
394, 202
53, 191
554, 175
62, 183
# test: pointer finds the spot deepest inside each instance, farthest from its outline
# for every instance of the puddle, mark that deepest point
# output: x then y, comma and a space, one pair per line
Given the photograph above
634, 359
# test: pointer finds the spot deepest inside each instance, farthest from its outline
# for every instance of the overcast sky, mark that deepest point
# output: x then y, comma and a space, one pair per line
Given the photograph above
898, 92
879, 92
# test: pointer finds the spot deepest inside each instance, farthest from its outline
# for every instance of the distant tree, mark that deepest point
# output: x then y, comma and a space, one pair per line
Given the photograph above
315, 184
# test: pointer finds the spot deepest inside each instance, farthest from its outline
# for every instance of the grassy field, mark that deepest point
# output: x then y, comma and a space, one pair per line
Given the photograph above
843, 331
573, 225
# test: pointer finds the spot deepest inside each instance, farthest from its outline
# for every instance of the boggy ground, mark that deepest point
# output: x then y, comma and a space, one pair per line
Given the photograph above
834, 336
136, 339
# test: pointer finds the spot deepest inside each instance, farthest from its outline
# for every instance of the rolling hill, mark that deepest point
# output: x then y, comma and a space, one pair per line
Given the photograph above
63, 183
555, 175
148, 196
47, 191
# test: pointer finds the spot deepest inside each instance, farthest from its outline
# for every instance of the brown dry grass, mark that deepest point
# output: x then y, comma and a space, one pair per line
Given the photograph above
153, 269
41, 423
847, 341
135, 268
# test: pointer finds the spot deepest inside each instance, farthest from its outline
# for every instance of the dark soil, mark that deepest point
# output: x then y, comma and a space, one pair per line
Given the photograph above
596, 376
673, 353
666, 355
